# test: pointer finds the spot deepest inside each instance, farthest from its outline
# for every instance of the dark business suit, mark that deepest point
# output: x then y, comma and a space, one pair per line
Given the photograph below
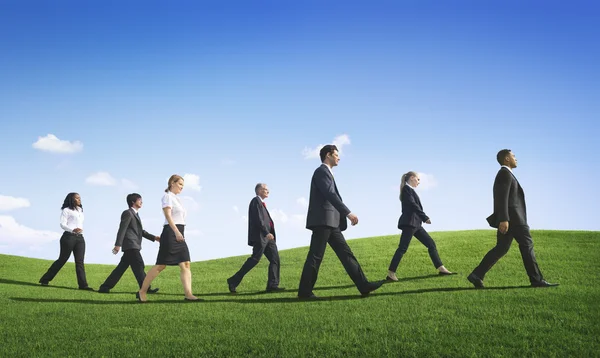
410, 223
327, 219
260, 225
509, 205
129, 238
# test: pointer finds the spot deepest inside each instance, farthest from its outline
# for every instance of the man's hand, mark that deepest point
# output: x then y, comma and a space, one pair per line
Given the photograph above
116, 249
353, 219
503, 227
270, 236
157, 238
428, 221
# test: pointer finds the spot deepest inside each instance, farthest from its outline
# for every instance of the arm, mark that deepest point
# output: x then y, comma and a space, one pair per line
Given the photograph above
64, 217
257, 217
326, 186
149, 236
409, 199
125, 220
167, 212
502, 186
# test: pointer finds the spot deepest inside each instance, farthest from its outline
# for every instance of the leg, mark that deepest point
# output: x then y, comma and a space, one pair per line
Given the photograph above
407, 234
426, 240
154, 271
257, 252
310, 272
79, 253
503, 242
67, 242
346, 257
116, 274
186, 280
137, 265
272, 255
523, 237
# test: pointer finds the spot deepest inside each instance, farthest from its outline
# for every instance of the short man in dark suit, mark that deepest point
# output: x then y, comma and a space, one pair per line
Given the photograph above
129, 239
510, 218
327, 219
262, 238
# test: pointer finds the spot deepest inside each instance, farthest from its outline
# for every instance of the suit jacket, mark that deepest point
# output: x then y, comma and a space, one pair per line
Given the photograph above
509, 200
131, 232
412, 210
259, 222
325, 205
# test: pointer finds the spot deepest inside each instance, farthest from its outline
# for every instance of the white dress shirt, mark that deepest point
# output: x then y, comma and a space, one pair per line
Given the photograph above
71, 219
177, 210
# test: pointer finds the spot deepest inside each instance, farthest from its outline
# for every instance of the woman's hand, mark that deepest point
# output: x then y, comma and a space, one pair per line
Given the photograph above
178, 236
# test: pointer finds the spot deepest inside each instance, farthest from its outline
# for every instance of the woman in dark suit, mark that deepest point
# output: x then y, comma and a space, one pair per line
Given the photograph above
411, 225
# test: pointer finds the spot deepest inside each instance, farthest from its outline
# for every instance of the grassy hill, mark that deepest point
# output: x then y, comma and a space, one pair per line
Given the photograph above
422, 315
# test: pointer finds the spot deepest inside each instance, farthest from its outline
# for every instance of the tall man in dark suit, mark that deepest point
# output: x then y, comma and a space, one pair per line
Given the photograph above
510, 218
262, 237
129, 239
327, 219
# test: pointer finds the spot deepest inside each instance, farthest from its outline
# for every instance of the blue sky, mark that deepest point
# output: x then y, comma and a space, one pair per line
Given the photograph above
236, 93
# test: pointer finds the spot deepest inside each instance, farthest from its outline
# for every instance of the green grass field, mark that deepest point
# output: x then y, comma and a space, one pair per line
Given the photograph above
423, 315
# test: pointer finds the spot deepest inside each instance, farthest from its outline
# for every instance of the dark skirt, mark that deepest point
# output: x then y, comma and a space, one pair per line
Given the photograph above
170, 251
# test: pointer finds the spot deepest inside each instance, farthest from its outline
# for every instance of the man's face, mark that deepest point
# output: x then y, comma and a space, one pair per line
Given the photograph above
333, 158
263, 192
138, 203
511, 160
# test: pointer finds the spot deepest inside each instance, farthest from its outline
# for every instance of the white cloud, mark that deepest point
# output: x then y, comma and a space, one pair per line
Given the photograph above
51, 143
190, 203
101, 179
192, 181
11, 203
339, 141
303, 202
128, 184
14, 233
236, 209
428, 181
279, 216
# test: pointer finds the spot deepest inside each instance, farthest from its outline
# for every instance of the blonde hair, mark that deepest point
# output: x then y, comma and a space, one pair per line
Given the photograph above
172, 180
405, 178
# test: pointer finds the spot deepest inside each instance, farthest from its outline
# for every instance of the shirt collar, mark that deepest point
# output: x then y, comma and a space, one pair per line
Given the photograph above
328, 167
134, 210
410, 186
507, 167
261, 199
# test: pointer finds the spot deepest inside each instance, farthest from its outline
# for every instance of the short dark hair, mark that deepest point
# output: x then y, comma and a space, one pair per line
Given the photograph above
329, 148
502, 155
132, 198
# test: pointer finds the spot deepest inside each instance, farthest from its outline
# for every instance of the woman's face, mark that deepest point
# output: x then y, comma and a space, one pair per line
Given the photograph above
177, 187
77, 200
414, 181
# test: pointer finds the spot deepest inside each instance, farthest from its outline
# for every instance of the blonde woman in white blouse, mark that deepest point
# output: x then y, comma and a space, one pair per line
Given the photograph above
173, 249
71, 221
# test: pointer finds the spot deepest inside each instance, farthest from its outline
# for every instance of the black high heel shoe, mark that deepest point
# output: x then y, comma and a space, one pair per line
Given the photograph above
137, 295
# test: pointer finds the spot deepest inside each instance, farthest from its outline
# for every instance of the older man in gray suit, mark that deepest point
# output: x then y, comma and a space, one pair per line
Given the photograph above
326, 218
129, 239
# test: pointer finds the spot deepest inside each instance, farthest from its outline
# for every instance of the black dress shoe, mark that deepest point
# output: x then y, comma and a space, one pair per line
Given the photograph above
543, 283
152, 290
312, 296
372, 286
476, 281
275, 289
88, 288
232, 287
44, 283
103, 290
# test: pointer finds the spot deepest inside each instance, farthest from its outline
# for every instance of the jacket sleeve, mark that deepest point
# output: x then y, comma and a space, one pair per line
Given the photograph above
125, 220
502, 186
257, 217
409, 199
148, 235
326, 186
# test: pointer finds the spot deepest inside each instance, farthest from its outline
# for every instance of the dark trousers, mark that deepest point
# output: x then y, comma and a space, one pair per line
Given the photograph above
269, 249
321, 236
406, 237
74, 243
131, 258
523, 237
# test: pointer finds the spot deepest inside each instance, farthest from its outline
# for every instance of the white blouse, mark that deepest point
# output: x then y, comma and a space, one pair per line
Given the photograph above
71, 219
177, 210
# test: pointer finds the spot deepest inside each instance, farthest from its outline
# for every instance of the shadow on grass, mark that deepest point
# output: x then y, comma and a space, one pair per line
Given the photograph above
268, 300
25, 283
